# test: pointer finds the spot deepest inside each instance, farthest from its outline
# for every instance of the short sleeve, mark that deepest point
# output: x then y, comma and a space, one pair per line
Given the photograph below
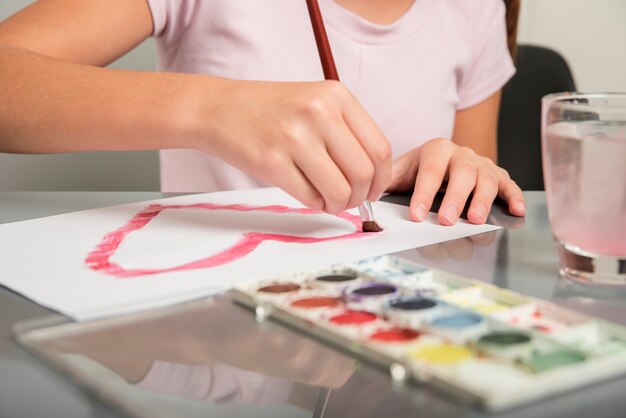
171, 18
219, 383
491, 66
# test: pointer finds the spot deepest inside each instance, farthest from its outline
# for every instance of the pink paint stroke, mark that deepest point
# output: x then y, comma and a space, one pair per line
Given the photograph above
100, 258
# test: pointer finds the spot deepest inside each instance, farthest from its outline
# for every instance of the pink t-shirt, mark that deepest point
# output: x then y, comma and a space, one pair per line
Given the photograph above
411, 76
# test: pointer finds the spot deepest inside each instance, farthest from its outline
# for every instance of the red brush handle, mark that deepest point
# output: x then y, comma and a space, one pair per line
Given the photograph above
323, 47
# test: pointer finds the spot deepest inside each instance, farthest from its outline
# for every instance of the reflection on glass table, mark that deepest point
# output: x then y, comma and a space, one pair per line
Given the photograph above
211, 356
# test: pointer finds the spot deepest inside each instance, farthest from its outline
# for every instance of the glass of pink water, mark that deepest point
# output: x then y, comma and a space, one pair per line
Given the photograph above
584, 168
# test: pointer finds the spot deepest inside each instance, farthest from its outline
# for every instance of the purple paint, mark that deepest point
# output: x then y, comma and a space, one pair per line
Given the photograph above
370, 290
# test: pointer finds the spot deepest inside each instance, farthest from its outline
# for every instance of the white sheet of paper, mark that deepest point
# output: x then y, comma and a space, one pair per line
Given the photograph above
45, 259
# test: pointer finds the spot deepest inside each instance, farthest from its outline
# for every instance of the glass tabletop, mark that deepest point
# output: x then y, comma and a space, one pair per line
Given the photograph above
211, 358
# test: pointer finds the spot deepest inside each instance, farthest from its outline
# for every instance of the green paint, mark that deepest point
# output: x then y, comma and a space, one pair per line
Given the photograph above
542, 362
504, 338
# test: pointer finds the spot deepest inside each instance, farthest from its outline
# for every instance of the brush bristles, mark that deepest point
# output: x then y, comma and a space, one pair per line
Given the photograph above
371, 226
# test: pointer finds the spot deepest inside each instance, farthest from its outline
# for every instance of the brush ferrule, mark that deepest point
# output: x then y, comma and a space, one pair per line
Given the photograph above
365, 210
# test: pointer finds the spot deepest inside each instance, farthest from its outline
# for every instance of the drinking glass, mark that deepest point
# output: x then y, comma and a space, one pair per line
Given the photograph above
584, 168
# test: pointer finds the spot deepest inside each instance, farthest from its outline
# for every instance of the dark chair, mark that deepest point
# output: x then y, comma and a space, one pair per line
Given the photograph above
540, 71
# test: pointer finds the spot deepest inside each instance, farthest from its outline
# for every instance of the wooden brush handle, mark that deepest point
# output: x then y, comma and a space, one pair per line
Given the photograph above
323, 47
330, 73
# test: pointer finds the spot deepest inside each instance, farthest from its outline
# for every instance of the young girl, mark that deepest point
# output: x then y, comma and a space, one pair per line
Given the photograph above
239, 103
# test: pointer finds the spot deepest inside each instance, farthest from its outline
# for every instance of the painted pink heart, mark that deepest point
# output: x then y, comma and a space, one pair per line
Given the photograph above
100, 258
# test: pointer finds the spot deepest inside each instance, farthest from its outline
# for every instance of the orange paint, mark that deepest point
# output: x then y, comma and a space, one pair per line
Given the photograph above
316, 302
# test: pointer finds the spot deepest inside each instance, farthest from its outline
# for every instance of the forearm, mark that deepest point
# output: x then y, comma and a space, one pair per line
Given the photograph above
477, 127
48, 106
484, 145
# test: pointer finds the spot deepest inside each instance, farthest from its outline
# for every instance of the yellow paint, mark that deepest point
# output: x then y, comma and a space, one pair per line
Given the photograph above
442, 353
488, 307
471, 298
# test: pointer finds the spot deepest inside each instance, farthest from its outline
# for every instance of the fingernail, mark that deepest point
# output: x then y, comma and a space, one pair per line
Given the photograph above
520, 206
450, 213
480, 212
421, 212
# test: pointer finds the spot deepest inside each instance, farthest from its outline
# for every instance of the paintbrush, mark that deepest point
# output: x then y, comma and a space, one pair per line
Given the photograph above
330, 73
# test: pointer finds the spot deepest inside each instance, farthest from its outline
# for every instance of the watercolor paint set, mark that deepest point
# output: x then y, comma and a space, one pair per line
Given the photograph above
479, 342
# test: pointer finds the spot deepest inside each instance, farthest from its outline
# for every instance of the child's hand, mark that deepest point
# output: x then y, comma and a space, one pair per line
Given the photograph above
313, 140
425, 168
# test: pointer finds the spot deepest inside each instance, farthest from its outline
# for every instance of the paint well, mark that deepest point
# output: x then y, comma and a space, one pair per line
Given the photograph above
353, 318
316, 302
458, 321
488, 308
412, 304
374, 289
279, 288
476, 299
505, 338
459, 327
444, 354
505, 344
542, 362
336, 278
395, 335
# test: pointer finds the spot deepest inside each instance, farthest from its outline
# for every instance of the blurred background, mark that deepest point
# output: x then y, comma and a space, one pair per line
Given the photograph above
589, 35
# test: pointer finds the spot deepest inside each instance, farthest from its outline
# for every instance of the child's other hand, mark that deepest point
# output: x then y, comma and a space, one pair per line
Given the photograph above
313, 140
424, 169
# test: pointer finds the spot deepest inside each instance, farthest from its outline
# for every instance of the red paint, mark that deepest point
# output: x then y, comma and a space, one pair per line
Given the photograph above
100, 258
537, 315
353, 318
316, 302
395, 335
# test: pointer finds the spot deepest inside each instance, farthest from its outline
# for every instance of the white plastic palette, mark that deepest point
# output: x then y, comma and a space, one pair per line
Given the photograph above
478, 341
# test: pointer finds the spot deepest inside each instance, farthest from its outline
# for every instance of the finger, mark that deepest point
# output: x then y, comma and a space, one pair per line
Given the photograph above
296, 184
485, 192
435, 252
373, 142
461, 182
322, 172
460, 249
484, 239
433, 164
510, 192
403, 172
351, 159
507, 221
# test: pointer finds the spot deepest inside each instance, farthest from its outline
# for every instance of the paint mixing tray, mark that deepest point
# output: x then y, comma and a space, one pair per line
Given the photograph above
477, 341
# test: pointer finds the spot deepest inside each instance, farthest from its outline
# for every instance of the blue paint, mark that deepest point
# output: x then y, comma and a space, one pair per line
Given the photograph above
458, 321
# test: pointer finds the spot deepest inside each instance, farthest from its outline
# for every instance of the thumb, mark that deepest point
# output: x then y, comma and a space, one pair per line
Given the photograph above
403, 172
